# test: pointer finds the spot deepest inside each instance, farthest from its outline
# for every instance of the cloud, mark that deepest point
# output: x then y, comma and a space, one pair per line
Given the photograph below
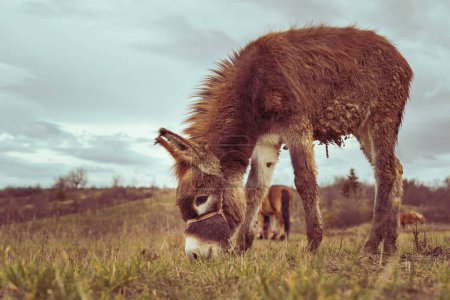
10, 74
189, 44
58, 8
38, 151
113, 149
88, 83
32, 136
29, 136
304, 11
19, 171
39, 130
426, 139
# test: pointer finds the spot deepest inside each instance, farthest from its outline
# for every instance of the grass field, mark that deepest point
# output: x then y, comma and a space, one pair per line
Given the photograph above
135, 250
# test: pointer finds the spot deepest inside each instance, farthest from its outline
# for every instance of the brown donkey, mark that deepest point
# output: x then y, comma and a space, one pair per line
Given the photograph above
411, 217
275, 204
293, 87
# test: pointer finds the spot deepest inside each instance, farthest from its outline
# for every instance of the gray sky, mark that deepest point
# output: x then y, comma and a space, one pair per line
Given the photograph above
88, 83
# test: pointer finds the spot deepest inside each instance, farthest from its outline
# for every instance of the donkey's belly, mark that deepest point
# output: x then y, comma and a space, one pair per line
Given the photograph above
337, 120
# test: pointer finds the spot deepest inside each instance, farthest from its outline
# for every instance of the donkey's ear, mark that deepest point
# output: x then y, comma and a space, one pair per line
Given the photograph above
184, 150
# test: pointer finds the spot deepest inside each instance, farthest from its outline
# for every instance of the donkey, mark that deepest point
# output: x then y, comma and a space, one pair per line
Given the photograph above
294, 87
411, 217
276, 205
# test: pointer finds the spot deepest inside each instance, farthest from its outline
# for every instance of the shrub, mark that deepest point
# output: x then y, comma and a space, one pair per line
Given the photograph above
347, 216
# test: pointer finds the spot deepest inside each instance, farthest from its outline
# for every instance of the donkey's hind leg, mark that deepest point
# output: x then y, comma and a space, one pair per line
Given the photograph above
390, 239
302, 157
264, 158
281, 230
378, 145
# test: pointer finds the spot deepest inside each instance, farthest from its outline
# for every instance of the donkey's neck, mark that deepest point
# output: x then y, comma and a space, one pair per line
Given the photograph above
233, 149
224, 117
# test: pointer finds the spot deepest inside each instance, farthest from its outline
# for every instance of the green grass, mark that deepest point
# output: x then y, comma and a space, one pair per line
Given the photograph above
135, 250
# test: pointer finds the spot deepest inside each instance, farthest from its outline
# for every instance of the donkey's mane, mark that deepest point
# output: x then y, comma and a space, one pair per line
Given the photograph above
218, 118
207, 98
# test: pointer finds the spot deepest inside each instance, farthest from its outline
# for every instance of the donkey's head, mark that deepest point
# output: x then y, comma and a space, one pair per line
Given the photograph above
208, 202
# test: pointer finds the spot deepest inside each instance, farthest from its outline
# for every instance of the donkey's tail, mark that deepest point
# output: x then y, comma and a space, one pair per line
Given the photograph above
285, 210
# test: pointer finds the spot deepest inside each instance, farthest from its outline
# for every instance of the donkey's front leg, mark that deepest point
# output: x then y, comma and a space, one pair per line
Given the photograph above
263, 162
302, 157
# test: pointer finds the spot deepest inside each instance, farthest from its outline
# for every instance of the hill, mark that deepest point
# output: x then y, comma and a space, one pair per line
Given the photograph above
19, 204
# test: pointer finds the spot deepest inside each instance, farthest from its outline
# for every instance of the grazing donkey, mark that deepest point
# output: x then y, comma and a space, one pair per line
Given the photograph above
411, 217
293, 87
275, 204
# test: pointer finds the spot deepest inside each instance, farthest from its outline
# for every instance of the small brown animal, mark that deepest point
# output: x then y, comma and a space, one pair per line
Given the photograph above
275, 205
294, 87
411, 217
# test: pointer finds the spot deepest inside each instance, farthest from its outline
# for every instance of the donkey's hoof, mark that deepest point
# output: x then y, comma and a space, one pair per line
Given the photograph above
314, 244
244, 242
389, 248
371, 248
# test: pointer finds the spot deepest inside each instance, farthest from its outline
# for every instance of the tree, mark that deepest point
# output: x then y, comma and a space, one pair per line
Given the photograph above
116, 181
77, 178
351, 187
447, 182
60, 185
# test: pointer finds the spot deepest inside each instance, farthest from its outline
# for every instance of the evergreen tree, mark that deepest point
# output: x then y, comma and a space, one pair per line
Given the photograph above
351, 187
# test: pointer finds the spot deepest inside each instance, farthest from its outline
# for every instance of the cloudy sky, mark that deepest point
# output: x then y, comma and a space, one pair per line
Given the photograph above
88, 83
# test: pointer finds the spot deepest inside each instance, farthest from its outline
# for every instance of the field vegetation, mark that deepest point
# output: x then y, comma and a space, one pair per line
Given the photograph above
134, 249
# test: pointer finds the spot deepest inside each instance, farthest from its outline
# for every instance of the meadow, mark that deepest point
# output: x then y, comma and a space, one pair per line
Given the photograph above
135, 250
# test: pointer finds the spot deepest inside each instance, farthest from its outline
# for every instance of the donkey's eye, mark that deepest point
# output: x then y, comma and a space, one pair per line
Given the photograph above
200, 200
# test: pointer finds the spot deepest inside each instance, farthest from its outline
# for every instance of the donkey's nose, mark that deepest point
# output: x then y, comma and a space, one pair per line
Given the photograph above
192, 255
201, 253
196, 248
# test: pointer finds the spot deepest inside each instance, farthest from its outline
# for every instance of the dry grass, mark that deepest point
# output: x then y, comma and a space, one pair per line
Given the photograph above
134, 250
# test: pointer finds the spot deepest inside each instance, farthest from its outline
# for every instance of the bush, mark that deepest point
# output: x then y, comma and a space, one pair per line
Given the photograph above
347, 216
17, 192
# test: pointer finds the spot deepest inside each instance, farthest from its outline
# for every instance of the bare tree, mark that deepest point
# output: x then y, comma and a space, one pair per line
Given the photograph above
447, 182
60, 185
116, 181
77, 178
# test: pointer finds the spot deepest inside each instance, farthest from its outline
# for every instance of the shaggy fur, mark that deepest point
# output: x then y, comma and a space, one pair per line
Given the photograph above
295, 87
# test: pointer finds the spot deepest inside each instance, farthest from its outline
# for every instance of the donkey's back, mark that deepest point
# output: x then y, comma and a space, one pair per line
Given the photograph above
339, 77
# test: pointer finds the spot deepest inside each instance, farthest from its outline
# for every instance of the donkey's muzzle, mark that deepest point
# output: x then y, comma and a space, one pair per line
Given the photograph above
207, 238
196, 248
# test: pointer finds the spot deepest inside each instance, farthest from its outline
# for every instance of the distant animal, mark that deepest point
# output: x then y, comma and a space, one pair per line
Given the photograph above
275, 207
411, 217
293, 87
